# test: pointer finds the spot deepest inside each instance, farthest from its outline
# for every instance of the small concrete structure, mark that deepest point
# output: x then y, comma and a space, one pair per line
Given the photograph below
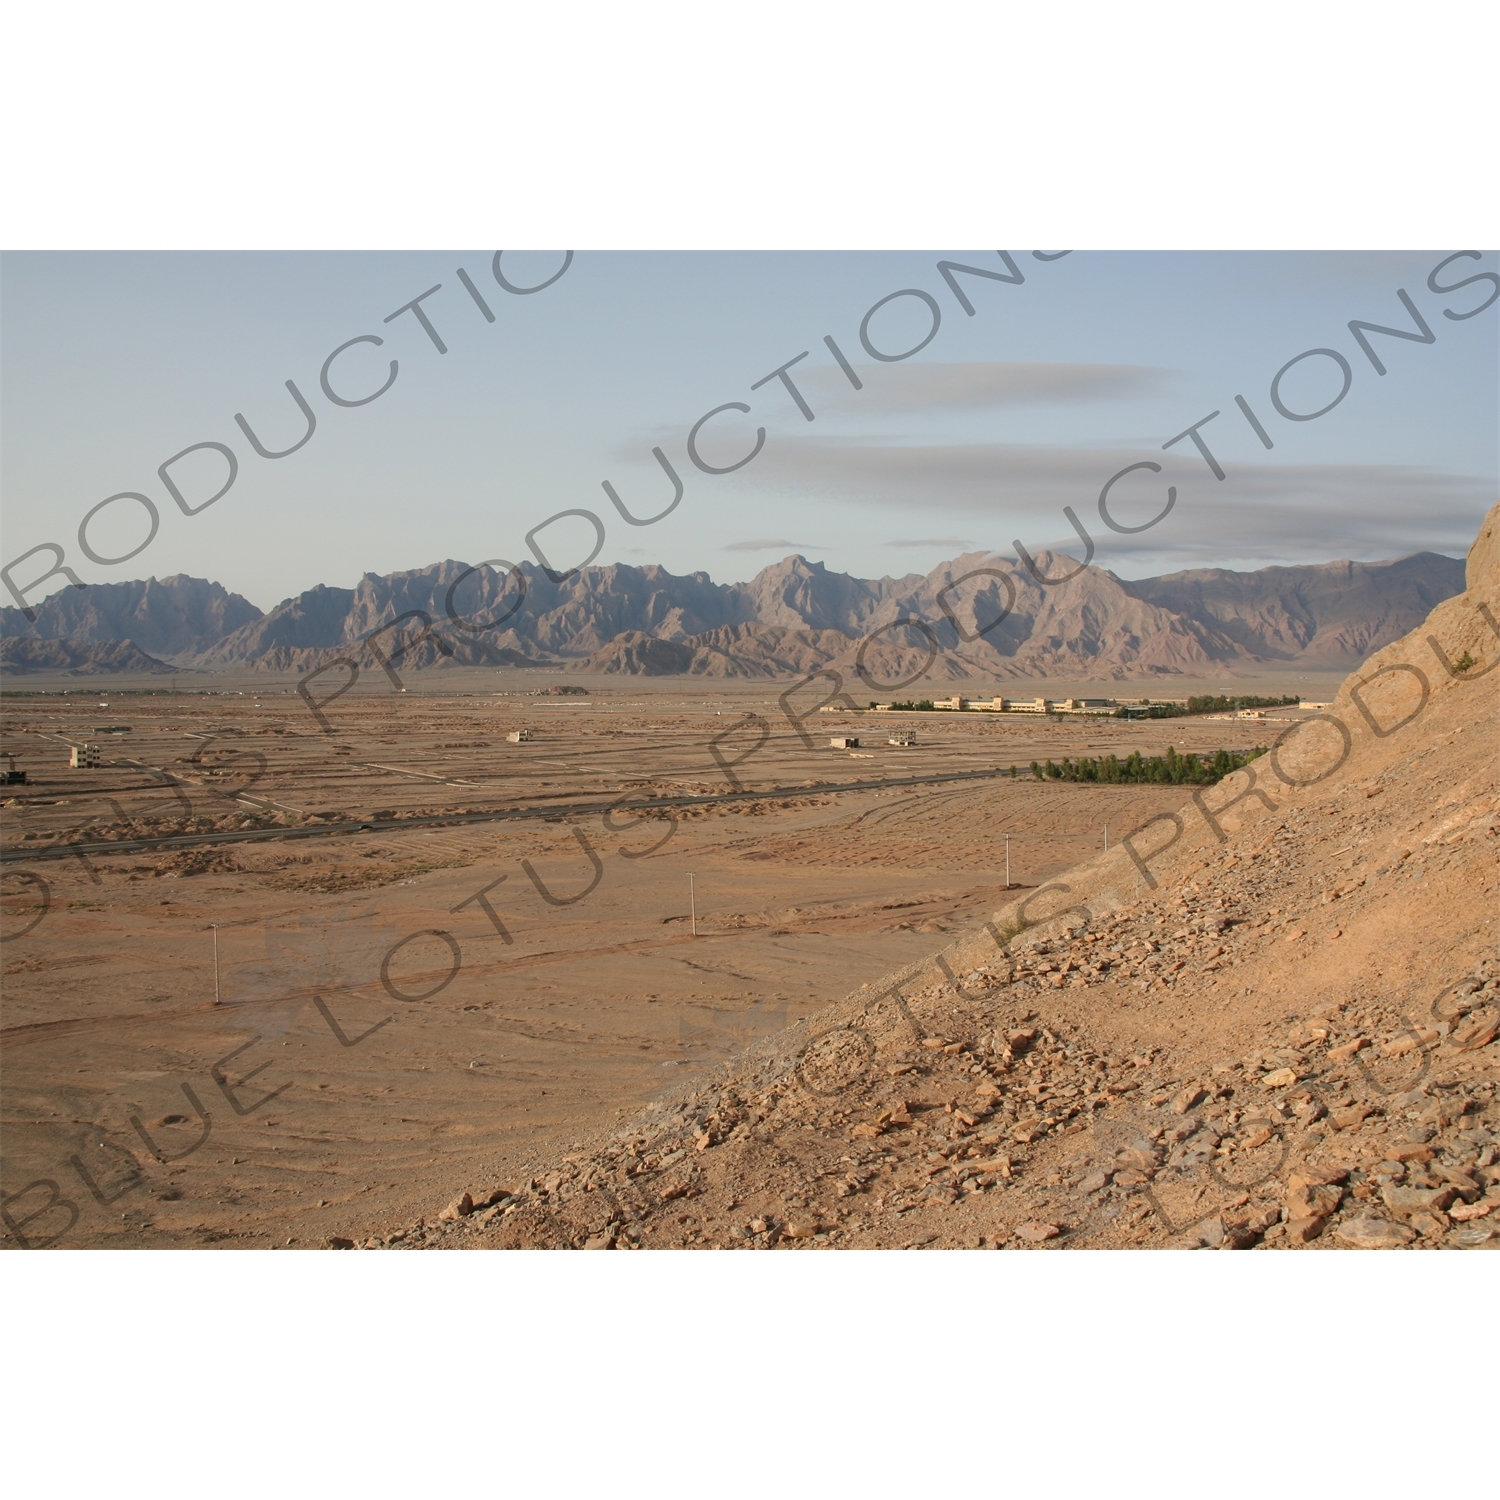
844, 742
905, 737
86, 754
518, 736
9, 776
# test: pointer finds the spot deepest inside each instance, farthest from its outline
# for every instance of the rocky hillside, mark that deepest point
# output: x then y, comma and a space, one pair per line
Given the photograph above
1269, 1022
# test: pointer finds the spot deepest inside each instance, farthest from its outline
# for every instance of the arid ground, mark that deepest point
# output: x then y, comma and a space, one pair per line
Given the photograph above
444, 957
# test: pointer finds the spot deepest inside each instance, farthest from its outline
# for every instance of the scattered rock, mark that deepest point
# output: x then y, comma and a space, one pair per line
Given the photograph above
1280, 1079
1410, 1200
1480, 1034
1035, 1232
338, 1242
1472, 1237
1430, 1225
1466, 1211
1302, 1231
1309, 1201
997, 1164
1210, 1232
1409, 1151
1374, 1234
1410, 1040
460, 1208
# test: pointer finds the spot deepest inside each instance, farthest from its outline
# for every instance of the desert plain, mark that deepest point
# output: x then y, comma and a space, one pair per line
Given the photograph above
275, 977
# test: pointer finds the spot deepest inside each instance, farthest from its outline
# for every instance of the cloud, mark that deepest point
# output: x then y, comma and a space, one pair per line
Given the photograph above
930, 541
768, 544
1262, 512
977, 386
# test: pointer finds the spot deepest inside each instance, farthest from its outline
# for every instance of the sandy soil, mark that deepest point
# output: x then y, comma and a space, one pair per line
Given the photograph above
379, 1029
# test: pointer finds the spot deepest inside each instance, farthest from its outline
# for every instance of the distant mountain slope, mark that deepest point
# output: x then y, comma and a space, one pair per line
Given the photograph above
980, 616
19, 656
318, 617
169, 617
1334, 614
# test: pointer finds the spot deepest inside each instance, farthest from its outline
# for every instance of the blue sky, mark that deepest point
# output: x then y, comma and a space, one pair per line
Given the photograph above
110, 363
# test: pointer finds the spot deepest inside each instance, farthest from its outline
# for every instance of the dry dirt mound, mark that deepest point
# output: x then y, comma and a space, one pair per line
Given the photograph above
1268, 1019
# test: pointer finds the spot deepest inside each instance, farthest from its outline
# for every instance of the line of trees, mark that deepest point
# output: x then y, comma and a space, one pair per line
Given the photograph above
1170, 769
1206, 704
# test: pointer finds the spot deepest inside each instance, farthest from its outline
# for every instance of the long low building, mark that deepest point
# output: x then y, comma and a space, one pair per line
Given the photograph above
998, 705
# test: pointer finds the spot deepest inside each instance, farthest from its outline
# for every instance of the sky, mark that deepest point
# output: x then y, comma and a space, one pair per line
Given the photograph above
112, 363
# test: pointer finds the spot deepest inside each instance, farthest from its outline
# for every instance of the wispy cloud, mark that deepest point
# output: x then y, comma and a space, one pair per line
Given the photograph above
930, 541
768, 544
1264, 512
978, 386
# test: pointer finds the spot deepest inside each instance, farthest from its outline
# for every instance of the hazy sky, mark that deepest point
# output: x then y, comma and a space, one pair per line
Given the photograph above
112, 363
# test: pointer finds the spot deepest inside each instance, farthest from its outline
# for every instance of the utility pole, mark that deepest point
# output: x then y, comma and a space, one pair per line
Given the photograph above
1007, 862
215, 927
1106, 838
693, 903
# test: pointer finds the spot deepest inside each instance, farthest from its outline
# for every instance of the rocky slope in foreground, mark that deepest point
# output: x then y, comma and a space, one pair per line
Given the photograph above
1273, 1026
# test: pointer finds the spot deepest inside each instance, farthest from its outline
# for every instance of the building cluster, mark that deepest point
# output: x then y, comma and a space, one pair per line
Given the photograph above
1018, 705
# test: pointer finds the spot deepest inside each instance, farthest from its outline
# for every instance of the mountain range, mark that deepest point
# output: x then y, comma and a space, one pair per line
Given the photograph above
981, 616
